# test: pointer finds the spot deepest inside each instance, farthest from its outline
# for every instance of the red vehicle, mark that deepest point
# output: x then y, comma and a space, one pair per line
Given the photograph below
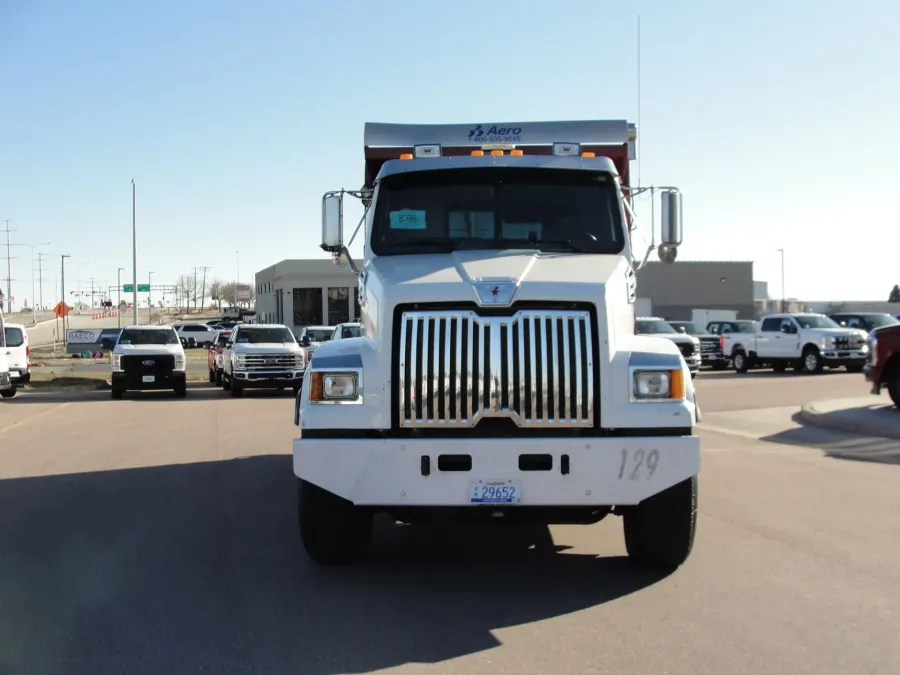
214, 357
883, 368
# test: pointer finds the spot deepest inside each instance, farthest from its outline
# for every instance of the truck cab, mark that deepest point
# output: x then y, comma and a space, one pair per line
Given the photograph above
498, 377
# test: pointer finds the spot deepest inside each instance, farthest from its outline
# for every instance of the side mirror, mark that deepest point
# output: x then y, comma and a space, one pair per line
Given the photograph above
305, 342
786, 329
333, 222
671, 225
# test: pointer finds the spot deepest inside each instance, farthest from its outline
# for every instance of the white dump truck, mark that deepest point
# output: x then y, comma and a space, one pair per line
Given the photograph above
499, 377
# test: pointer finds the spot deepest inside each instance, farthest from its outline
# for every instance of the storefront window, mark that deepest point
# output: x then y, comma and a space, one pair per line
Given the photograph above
308, 307
338, 306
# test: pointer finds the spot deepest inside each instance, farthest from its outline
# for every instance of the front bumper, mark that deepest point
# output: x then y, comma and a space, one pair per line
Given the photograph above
601, 471
135, 381
844, 357
18, 373
267, 379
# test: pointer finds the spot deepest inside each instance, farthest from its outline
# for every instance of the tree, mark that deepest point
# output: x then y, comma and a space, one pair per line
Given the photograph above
215, 293
895, 294
186, 288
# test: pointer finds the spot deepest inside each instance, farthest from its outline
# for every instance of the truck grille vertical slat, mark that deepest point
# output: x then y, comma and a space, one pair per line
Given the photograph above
535, 367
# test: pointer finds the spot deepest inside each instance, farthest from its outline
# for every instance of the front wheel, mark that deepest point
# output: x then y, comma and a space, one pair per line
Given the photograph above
333, 530
218, 378
740, 362
181, 391
811, 361
660, 530
236, 389
8, 393
893, 384
116, 394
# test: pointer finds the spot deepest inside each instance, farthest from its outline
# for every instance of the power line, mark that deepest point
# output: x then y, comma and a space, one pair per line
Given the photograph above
203, 288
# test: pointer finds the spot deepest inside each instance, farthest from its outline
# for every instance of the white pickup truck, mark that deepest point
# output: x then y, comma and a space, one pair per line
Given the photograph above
7, 386
806, 342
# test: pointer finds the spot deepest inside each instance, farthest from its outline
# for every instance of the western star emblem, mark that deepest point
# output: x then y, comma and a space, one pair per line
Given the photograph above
494, 291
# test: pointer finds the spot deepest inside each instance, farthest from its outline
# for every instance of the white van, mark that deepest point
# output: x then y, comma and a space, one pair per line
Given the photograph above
7, 388
18, 353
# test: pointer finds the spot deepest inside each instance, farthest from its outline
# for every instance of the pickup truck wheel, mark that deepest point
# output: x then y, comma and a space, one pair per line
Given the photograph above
660, 530
812, 361
226, 382
333, 530
218, 378
740, 361
236, 390
212, 376
116, 393
8, 393
181, 392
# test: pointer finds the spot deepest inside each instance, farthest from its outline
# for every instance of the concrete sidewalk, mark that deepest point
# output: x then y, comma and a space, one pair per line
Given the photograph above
870, 415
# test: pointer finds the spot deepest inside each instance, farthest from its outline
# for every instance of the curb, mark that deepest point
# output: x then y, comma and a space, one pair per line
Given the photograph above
814, 417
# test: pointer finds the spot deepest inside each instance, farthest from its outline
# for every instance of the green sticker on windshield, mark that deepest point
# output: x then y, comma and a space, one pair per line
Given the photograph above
408, 219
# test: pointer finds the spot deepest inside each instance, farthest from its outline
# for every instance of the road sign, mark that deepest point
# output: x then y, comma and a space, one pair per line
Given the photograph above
61, 309
128, 288
242, 292
143, 288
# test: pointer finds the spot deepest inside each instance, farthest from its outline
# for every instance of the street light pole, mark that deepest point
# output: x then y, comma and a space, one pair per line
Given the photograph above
62, 277
783, 297
134, 247
150, 298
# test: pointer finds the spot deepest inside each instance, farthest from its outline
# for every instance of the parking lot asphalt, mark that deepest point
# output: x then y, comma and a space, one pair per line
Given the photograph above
155, 535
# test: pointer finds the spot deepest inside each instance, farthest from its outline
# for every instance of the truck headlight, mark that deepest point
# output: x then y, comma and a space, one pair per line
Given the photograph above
657, 385
117, 363
180, 362
336, 387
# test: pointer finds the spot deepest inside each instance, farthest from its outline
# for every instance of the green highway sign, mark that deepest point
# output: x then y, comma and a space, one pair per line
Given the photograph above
143, 288
128, 288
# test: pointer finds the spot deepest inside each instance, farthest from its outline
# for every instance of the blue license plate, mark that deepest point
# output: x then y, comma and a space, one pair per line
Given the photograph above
495, 492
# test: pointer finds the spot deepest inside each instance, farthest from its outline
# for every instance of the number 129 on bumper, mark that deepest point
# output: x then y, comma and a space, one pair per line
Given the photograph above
495, 492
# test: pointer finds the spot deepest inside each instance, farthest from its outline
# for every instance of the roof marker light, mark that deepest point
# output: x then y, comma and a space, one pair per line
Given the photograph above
588, 154
516, 153
406, 155
566, 149
478, 153
496, 153
428, 150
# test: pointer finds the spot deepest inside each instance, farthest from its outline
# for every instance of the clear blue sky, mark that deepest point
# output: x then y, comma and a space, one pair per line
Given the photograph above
779, 121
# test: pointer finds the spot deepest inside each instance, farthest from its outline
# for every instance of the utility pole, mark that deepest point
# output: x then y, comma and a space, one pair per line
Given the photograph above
92, 295
41, 277
203, 286
783, 297
8, 269
119, 307
134, 247
150, 298
195, 289
62, 277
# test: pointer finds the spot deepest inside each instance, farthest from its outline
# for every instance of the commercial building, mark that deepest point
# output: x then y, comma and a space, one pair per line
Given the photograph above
676, 289
301, 293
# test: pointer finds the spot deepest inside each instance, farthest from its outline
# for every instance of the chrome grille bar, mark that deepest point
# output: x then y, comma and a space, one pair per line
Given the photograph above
456, 368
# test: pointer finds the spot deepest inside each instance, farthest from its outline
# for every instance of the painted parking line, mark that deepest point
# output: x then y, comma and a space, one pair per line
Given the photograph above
25, 421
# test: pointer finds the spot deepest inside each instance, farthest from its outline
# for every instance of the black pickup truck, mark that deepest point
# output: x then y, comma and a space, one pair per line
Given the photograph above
710, 345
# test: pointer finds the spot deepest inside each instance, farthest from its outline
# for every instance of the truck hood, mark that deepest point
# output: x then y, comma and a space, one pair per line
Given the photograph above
149, 349
265, 348
451, 277
677, 339
841, 332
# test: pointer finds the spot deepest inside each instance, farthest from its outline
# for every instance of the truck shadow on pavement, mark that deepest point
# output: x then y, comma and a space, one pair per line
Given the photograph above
199, 568
838, 444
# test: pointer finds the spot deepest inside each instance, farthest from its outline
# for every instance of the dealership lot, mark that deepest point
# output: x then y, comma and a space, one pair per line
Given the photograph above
147, 532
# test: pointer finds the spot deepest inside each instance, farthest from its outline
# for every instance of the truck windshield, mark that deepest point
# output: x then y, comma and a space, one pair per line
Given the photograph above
653, 326
688, 327
747, 326
814, 321
874, 320
317, 334
261, 335
497, 208
138, 336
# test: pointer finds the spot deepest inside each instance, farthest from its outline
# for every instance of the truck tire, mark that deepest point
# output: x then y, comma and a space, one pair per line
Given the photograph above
660, 530
893, 383
811, 361
8, 393
212, 376
236, 389
116, 394
333, 530
218, 379
740, 361
181, 391
226, 382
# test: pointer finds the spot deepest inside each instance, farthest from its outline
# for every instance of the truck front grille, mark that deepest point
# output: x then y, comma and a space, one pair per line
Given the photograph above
156, 364
709, 345
535, 367
269, 361
848, 342
687, 349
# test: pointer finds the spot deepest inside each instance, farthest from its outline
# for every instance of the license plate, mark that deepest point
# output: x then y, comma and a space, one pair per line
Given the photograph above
495, 492
149, 378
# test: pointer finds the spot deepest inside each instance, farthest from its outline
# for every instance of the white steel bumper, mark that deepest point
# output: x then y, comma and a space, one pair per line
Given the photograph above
601, 471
